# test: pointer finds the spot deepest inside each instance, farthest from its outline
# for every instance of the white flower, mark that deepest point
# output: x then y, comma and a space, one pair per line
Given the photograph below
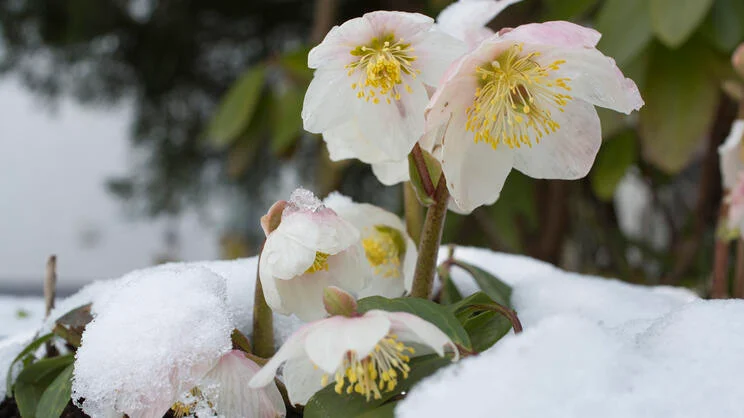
732, 155
369, 91
467, 19
312, 248
367, 354
390, 251
524, 99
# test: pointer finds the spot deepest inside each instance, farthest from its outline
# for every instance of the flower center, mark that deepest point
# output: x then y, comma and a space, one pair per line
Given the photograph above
385, 247
377, 372
380, 67
320, 263
515, 99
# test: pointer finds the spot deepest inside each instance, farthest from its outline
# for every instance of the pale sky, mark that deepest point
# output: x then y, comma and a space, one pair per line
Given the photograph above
53, 167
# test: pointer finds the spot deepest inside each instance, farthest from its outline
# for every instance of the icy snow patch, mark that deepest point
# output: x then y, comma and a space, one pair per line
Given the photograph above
687, 364
303, 200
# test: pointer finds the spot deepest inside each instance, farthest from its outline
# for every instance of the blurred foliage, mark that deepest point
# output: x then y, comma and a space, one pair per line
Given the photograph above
217, 89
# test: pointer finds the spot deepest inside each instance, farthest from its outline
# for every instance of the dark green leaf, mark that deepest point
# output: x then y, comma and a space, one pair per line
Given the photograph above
613, 160
286, 120
237, 107
485, 328
725, 25
35, 379
449, 294
490, 284
26, 352
326, 403
681, 98
515, 207
674, 21
56, 396
426, 309
385, 411
618, 40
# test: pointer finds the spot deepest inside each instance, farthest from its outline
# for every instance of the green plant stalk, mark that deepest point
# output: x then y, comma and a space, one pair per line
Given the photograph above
263, 322
431, 236
413, 212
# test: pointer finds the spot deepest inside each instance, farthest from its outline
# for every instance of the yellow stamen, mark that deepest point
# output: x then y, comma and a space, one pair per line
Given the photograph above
320, 263
378, 372
380, 68
385, 248
513, 103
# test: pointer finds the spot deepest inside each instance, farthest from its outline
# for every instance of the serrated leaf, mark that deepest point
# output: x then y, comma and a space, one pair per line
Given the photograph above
619, 41
681, 98
615, 157
26, 352
326, 403
286, 120
425, 309
674, 21
237, 107
35, 379
497, 290
56, 397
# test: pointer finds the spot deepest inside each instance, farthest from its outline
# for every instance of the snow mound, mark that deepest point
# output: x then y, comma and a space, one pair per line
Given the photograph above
687, 364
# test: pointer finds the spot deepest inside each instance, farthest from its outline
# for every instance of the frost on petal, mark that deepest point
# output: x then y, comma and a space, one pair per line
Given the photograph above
466, 19
412, 328
180, 322
557, 33
732, 155
304, 200
226, 387
391, 173
567, 153
329, 340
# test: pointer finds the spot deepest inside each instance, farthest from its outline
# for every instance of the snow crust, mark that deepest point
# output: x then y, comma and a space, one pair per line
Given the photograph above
304, 200
594, 347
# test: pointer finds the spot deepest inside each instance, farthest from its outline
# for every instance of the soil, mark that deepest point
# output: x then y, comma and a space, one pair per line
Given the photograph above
8, 409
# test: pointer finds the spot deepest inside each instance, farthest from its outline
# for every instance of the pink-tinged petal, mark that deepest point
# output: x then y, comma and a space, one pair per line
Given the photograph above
412, 328
569, 152
466, 19
303, 295
400, 24
320, 230
230, 395
329, 100
594, 78
348, 141
332, 338
293, 348
395, 126
283, 257
335, 50
435, 51
732, 155
302, 380
557, 33
391, 173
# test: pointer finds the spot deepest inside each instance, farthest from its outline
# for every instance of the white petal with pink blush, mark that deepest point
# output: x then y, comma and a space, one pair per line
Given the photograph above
372, 72
366, 345
732, 155
312, 248
524, 100
467, 19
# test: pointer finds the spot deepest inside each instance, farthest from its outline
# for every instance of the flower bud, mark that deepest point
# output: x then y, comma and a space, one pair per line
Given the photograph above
273, 217
339, 302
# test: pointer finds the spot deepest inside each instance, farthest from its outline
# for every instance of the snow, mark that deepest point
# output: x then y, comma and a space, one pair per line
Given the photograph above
593, 347
303, 200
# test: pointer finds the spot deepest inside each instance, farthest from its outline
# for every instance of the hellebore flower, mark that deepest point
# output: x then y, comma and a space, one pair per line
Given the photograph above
390, 251
524, 99
369, 91
311, 249
467, 19
732, 155
366, 354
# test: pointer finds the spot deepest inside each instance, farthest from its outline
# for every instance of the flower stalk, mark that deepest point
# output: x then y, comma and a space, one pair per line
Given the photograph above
413, 212
431, 236
263, 323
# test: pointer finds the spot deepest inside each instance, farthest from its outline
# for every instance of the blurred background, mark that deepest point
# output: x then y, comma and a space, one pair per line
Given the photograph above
139, 131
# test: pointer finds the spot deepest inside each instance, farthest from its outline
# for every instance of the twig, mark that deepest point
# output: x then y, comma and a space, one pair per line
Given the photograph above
50, 285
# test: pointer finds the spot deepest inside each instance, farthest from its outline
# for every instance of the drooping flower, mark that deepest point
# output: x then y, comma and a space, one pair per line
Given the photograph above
367, 354
467, 19
731, 155
525, 99
311, 249
369, 91
390, 251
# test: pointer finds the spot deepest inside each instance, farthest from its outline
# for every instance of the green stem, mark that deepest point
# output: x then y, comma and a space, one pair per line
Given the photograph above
263, 322
413, 212
431, 236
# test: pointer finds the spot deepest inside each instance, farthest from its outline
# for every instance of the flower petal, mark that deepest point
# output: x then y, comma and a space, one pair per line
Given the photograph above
730, 153
556, 33
332, 338
463, 19
284, 257
400, 24
348, 141
412, 328
302, 379
294, 347
303, 295
569, 152
393, 173
320, 230
335, 50
329, 100
435, 52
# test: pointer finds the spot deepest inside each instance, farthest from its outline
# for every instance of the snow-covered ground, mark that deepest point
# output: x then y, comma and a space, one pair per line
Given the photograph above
592, 347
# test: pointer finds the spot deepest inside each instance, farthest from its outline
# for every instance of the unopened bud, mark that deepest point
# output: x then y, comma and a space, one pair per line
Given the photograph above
339, 302
273, 217
737, 60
